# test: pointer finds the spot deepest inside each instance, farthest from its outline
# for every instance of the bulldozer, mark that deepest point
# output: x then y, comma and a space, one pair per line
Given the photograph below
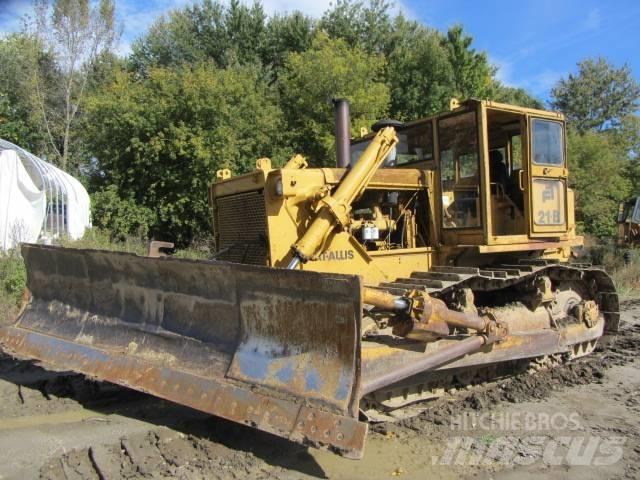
629, 223
436, 255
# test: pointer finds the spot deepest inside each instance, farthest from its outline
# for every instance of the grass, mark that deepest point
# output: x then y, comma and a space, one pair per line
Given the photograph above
98, 239
627, 279
626, 276
13, 274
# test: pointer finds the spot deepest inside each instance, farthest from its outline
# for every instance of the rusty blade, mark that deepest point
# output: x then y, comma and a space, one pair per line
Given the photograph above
271, 348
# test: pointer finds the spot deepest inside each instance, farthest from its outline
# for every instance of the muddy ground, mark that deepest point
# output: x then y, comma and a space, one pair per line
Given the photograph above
580, 420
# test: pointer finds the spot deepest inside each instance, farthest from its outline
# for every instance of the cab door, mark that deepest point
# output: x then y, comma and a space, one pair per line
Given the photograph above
547, 177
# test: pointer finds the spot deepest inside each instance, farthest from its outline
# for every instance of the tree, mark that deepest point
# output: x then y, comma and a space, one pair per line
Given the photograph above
598, 175
472, 72
285, 34
211, 30
367, 25
598, 97
19, 122
75, 35
330, 68
627, 136
420, 75
160, 139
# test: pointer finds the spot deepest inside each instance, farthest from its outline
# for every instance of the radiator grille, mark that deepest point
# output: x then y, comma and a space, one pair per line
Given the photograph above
241, 226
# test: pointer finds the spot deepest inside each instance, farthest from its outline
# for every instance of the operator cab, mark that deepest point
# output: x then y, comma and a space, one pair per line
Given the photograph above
501, 172
629, 211
629, 222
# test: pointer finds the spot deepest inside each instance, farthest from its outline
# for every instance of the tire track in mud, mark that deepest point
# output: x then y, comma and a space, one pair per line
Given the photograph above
208, 447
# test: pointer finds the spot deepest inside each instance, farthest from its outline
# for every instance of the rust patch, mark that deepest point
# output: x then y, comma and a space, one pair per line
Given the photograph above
294, 421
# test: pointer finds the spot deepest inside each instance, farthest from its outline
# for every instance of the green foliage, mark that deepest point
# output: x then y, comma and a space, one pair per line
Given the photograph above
159, 140
598, 97
367, 25
13, 274
425, 68
599, 103
626, 278
13, 278
209, 31
12, 125
290, 33
121, 217
101, 239
74, 34
420, 73
627, 136
19, 117
597, 173
330, 69
216, 85
472, 73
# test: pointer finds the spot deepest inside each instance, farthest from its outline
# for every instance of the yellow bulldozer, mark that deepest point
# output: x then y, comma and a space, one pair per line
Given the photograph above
629, 223
436, 255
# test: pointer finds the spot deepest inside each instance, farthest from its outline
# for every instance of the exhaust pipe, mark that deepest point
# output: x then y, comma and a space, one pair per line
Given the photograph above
342, 132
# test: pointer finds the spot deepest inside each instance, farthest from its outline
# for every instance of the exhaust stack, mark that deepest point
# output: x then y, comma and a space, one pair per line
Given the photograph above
343, 143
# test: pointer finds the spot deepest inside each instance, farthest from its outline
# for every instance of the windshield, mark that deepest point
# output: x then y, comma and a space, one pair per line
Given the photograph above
415, 144
629, 211
548, 147
635, 218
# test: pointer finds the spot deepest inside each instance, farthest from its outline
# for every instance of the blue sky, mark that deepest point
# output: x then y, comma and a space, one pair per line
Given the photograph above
534, 43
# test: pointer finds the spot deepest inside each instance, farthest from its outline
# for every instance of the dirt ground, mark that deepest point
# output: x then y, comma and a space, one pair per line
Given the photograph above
580, 420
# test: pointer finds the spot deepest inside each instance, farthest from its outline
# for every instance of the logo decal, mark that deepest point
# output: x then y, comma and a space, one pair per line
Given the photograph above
337, 255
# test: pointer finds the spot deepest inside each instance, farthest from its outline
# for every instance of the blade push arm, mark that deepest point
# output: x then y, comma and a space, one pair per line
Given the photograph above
333, 209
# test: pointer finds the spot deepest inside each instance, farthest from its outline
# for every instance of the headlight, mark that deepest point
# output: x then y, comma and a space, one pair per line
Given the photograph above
279, 188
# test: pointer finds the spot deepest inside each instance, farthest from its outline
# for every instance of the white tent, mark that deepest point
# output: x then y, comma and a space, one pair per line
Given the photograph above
38, 200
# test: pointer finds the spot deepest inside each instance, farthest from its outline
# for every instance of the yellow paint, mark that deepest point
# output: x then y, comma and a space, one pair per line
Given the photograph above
312, 209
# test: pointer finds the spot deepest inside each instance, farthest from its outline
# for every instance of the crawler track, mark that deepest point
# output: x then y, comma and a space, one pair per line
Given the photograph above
442, 281
495, 286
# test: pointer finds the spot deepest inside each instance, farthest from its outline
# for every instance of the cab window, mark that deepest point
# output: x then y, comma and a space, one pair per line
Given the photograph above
548, 146
459, 171
357, 149
415, 144
635, 218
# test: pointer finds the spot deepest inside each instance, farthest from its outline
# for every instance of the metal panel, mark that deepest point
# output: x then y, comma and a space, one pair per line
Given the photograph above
241, 228
206, 334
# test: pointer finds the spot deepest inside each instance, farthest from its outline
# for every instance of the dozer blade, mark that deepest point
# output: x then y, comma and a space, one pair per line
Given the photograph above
275, 349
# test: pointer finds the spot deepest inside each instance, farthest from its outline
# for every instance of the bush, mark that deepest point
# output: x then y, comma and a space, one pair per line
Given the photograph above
159, 140
13, 279
121, 217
